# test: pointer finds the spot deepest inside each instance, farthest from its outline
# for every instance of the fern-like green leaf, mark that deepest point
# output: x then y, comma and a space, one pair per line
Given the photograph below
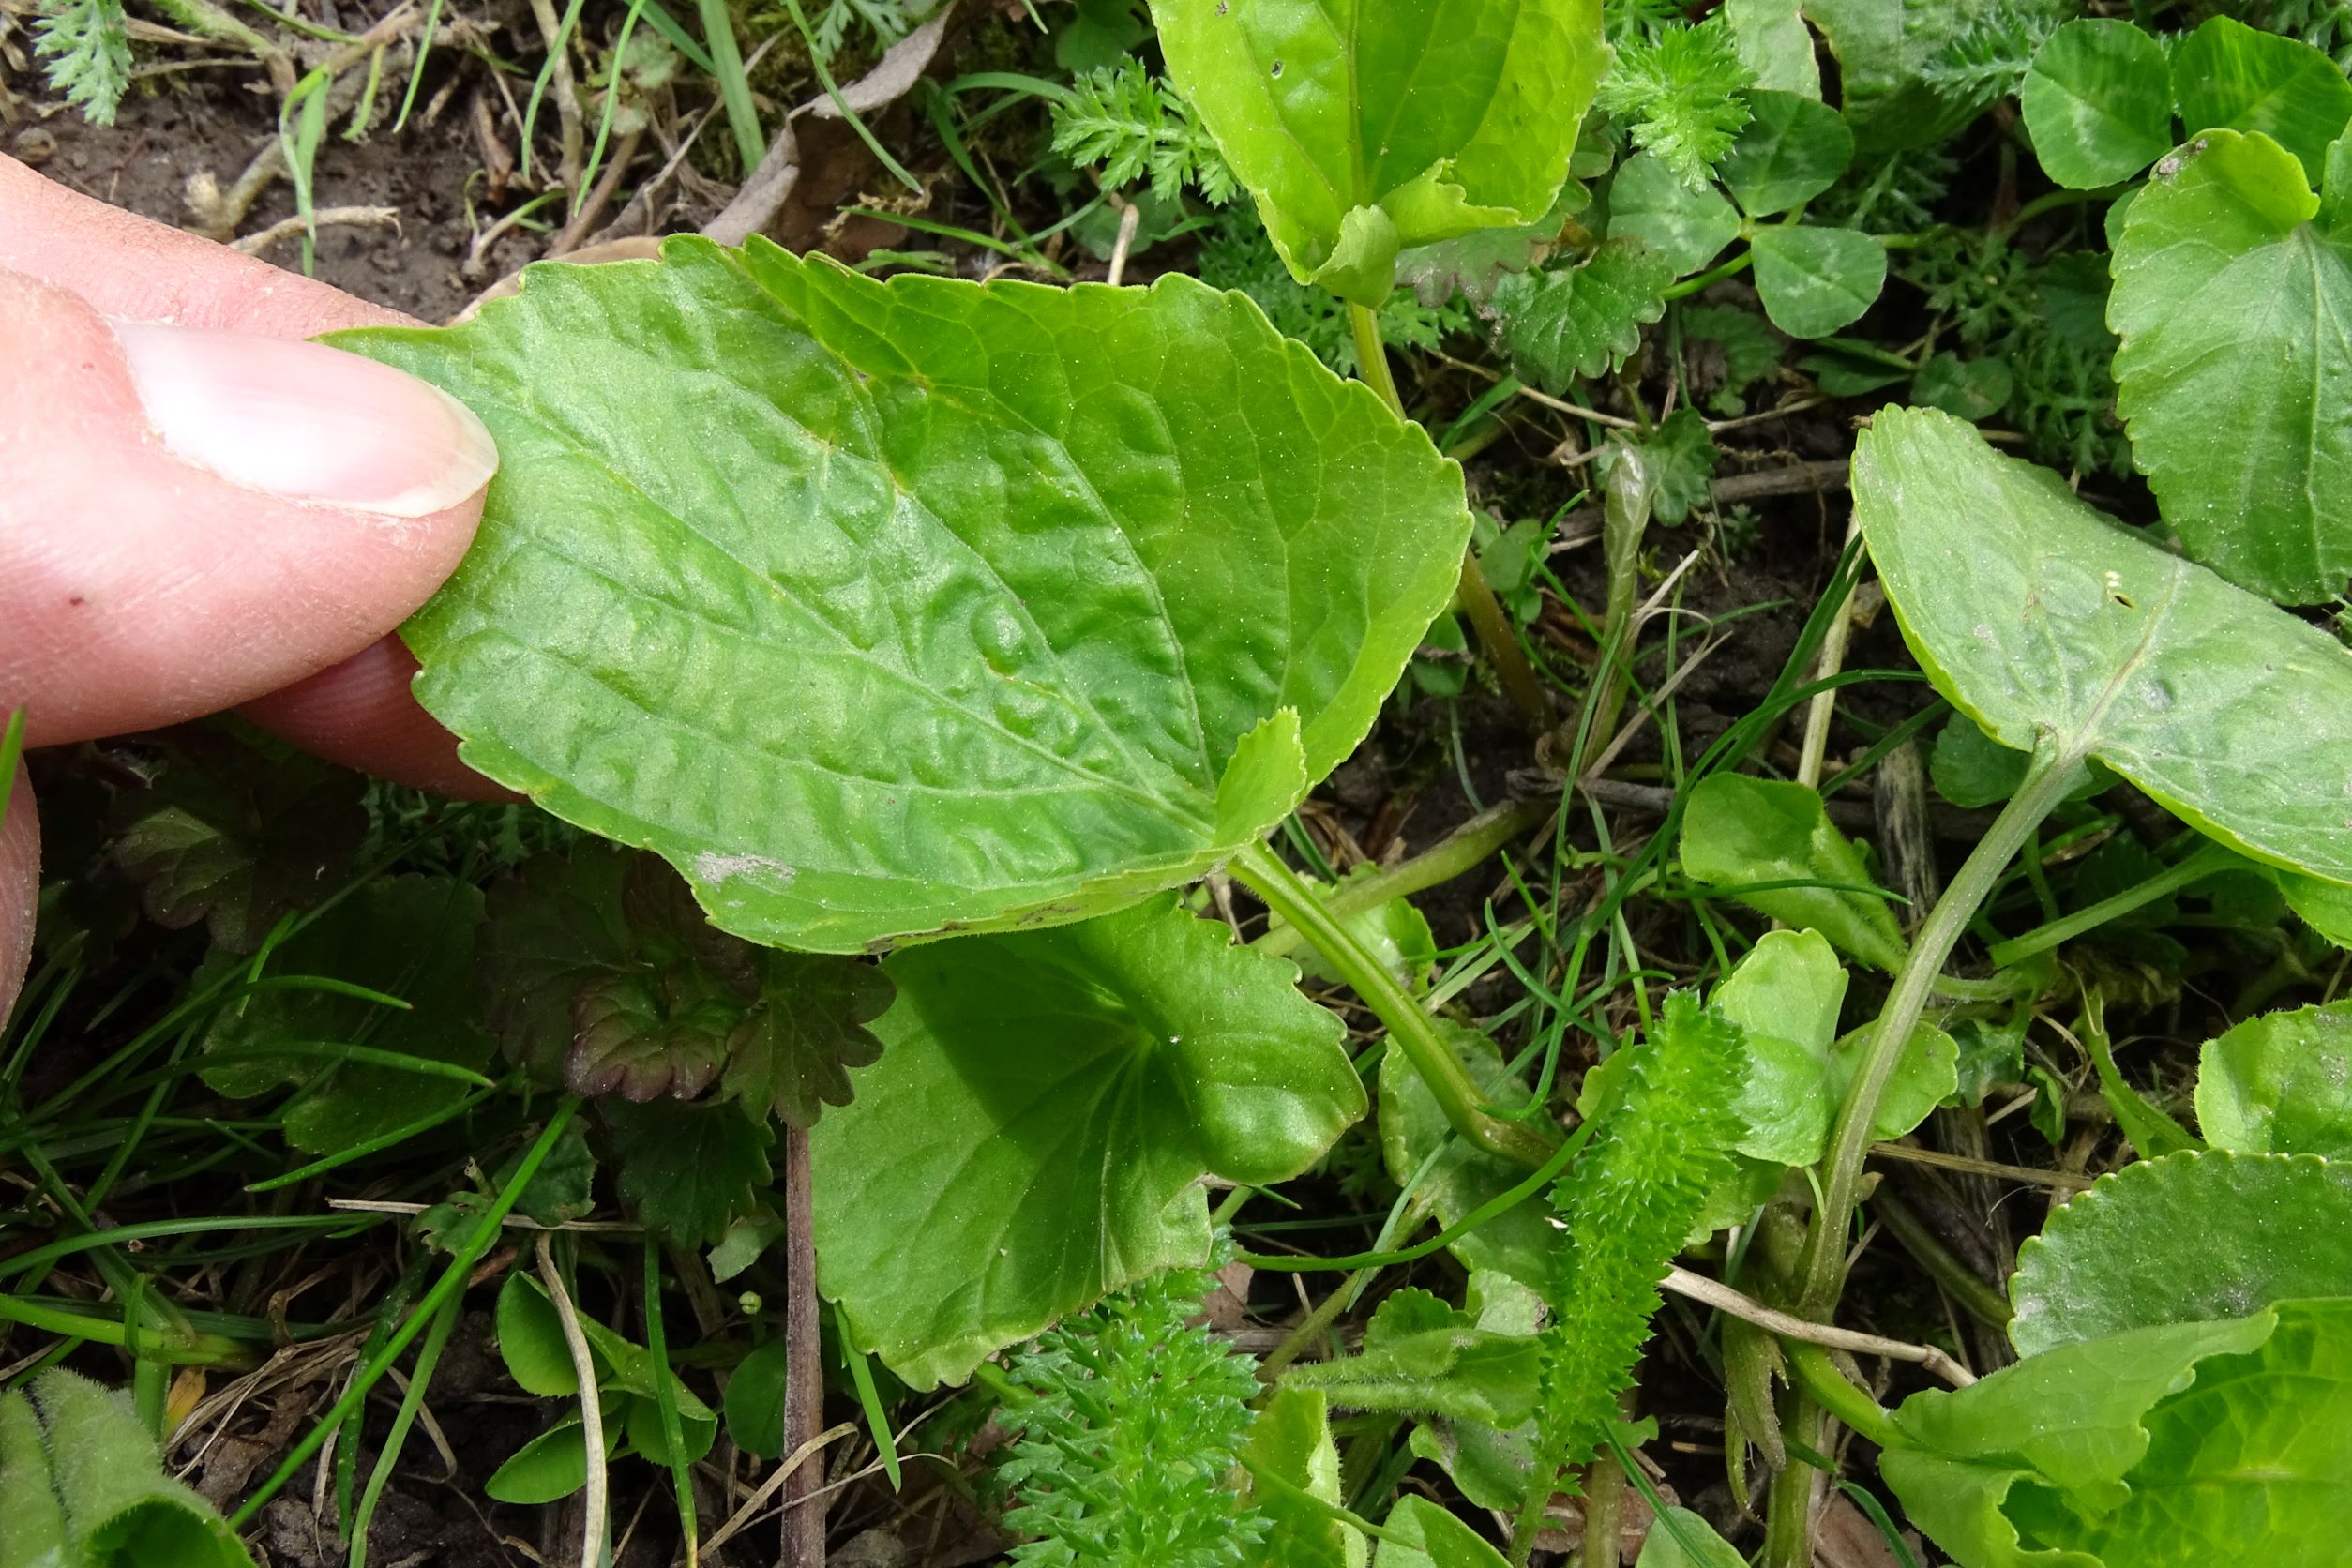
1123, 1452
1988, 59
1677, 93
1627, 1207
1133, 126
87, 45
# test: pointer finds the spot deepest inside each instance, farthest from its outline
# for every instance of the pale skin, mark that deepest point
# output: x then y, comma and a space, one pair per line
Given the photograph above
199, 511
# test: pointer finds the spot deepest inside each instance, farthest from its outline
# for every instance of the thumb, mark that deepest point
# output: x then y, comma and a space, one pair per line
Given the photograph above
195, 518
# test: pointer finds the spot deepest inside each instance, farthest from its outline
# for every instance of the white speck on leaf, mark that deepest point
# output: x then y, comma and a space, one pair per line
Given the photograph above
712, 866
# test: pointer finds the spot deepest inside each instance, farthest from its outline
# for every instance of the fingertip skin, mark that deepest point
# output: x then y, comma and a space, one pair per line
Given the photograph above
360, 714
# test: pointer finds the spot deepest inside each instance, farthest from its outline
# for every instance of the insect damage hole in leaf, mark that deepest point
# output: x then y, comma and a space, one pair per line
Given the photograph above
923, 604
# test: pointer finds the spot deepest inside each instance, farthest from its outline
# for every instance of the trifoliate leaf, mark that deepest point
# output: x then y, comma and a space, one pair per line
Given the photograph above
2198, 1236
2229, 278
238, 837
2280, 1084
2098, 103
1035, 1134
922, 603
1688, 227
1681, 95
1813, 281
1368, 130
689, 1171
408, 936
1581, 321
2228, 76
1792, 150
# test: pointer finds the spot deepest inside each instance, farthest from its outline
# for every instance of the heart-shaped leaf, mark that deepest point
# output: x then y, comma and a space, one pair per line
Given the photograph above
2197, 1236
1364, 127
1035, 1132
2231, 77
2231, 276
2280, 1084
2051, 626
1813, 281
1792, 150
896, 607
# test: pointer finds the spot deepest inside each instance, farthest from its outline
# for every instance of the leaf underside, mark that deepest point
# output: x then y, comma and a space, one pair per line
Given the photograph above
2052, 626
885, 608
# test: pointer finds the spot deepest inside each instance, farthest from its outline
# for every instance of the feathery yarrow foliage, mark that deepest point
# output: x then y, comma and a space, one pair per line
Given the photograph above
1131, 126
1123, 1456
87, 45
1988, 59
1678, 93
1627, 1207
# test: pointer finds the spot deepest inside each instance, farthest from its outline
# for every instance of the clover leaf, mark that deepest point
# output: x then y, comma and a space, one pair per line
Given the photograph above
902, 607
1365, 129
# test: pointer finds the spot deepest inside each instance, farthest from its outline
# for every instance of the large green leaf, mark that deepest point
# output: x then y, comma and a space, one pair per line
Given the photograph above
879, 609
2181, 1443
2195, 1236
409, 937
82, 1486
2228, 76
1037, 1130
2098, 101
2280, 1084
2050, 625
1364, 127
2232, 286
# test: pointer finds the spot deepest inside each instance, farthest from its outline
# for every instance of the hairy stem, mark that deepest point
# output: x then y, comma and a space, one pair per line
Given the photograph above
1476, 599
1457, 854
1411, 1030
2208, 859
2046, 781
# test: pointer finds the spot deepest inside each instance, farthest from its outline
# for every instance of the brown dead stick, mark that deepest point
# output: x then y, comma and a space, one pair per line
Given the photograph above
803, 1365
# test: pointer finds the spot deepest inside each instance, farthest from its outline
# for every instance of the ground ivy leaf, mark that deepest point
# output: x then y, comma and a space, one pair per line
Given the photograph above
2280, 1084
1738, 832
2038, 617
1648, 201
2198, 1236
2098, 102
1581, 321
409, 937
626, 1040
1813, 281
1035, 1134
791, 1056
2228, 76
2230, 277
1363, 127
236, 839
1793, 148
918, 604
689, 1172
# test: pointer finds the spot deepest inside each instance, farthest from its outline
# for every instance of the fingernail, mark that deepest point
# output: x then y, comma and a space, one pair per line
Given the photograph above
306, 421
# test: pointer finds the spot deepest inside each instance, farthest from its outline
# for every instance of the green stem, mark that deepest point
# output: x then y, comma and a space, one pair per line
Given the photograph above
1789, 1512
1604, 1510
1372, 356
1812, 1370
1976, 1298
1457, 854
1731, 268
2207, 860
2046, 782
1305, 1498
1411, 1030
1633, 494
